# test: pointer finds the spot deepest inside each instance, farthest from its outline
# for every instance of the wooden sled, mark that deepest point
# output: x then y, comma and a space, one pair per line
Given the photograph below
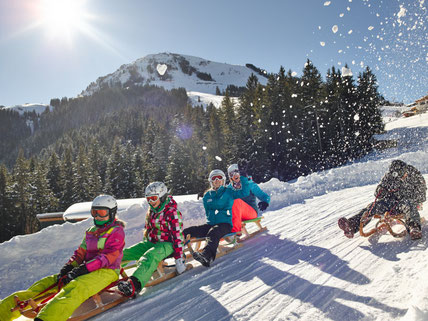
385, 222
98, 303
227, 244
163, 272
245, 234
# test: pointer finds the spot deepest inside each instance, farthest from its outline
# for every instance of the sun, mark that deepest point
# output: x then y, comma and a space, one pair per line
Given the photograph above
63, 18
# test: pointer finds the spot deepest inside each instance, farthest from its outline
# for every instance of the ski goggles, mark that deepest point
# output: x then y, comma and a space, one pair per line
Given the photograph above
233, 173
216, 177
152, 199
99, 212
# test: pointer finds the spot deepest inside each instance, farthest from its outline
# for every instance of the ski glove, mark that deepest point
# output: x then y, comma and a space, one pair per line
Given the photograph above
180, 266
76, 272
263, 205
243, 166
65, 269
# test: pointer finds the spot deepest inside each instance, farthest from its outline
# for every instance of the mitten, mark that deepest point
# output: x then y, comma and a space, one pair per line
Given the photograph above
65, 269
76, 272
263, 205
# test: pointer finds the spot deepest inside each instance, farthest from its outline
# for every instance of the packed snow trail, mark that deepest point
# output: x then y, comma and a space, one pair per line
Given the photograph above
302, 268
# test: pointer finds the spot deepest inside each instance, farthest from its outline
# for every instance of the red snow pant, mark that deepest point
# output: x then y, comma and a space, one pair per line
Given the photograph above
241, 211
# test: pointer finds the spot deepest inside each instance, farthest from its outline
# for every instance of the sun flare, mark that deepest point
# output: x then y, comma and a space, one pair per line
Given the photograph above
62, 18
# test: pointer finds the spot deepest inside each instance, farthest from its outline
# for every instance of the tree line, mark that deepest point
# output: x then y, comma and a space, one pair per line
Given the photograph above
120, 139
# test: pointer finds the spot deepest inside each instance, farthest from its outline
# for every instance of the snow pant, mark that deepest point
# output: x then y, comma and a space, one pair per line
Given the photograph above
213, 234
241, 211
408, 208
68, 299
148, 255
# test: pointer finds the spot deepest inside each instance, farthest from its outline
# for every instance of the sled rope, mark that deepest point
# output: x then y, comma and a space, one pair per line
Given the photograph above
385, 221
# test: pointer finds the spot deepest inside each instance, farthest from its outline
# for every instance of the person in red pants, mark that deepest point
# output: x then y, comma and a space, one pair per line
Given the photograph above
246, 208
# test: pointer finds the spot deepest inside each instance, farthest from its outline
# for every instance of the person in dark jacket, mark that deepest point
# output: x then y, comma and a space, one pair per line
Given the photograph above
218, 202
402, 190
246, 208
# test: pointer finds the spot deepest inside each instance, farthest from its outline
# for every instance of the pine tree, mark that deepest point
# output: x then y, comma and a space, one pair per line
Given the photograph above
81, 181
369, 118
21, 195
348, 109
9, 223
229, 130
53, 175
180, 170
246, 119
67, 175
43, 199
215, 140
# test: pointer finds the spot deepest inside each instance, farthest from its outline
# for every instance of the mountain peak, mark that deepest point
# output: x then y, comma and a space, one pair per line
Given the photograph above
170, 70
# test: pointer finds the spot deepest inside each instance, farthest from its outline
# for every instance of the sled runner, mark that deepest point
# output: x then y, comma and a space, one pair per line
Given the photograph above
227, 244
163, 272
385, 222
245, 234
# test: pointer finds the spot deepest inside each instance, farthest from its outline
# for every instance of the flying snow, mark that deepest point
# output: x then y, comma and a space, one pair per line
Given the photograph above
327, 3
218, 158
335, 28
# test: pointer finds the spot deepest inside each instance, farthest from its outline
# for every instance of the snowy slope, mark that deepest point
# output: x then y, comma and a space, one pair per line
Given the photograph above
204, 99
303, 268
170, 70
21, 109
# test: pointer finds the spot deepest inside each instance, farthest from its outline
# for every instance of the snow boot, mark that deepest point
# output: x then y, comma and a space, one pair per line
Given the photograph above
202, 259
130, 287
346, 226
415, 233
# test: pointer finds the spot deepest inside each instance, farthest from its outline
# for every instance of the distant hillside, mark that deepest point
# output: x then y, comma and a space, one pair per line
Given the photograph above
27, 108
170, 71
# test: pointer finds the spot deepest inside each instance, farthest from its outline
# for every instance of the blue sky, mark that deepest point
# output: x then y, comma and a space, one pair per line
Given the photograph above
43, 58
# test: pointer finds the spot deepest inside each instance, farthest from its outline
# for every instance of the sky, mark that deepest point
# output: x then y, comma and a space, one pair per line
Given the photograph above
56, 48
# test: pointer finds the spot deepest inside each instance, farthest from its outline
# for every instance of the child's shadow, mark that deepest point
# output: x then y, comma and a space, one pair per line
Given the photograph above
292, 253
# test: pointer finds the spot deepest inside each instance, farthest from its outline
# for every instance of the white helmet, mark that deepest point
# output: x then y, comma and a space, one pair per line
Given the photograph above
106, 201
216, 172
156, 188
232, 169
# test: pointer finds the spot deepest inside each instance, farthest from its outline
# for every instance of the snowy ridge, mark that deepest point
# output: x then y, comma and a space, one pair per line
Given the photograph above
303, 268
28, 108
170, 71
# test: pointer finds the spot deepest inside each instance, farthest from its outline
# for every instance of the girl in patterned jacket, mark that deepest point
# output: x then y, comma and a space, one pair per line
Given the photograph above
94, 265
163, 236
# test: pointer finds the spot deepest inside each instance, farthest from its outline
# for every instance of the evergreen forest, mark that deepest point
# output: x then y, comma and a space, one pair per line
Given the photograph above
120, 139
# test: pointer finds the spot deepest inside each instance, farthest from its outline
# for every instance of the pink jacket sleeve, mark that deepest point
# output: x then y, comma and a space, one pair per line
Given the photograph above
112, 253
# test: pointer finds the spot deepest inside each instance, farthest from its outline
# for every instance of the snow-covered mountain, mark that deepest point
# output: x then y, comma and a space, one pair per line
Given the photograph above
302, 268
170, 70
21, 109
